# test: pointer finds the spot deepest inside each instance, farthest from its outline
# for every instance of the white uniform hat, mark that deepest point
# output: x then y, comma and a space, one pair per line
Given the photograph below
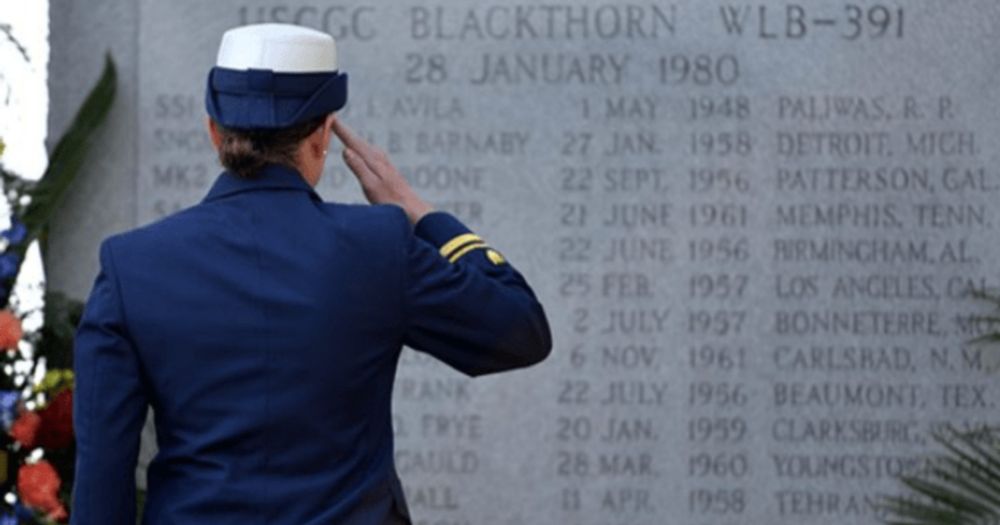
279, 47
274, 76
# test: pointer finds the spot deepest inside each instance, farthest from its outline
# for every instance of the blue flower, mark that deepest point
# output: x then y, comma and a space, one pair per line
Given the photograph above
8, 265
8, 519
8, 409
24, 512
16, 233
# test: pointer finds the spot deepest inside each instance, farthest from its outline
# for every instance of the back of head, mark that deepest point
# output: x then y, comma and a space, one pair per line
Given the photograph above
245, 151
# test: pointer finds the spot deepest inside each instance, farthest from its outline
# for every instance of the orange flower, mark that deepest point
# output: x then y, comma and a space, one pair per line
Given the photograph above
25, 429
10, 330
38, 486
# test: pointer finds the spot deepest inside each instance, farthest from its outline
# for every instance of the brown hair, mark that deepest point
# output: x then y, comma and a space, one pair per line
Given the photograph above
245, 151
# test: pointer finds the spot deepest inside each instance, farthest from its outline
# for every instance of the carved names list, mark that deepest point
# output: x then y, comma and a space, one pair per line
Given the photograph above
751, 226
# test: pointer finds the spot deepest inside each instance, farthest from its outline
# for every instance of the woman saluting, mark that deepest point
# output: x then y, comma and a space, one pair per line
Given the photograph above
264, 325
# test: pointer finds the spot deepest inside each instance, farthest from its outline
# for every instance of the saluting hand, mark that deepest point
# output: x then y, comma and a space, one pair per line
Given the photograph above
380, 180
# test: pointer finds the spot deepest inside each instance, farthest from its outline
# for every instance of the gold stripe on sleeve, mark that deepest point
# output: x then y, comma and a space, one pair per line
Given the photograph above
457, 255
451, 245
495, 256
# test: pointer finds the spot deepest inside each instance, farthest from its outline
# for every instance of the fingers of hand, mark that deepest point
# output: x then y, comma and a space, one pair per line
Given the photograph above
359, 167
378, 177
379, 163
352, 141
343, 133
376, 159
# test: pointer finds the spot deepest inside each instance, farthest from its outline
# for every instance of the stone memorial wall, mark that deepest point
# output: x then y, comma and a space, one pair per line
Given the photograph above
751, 225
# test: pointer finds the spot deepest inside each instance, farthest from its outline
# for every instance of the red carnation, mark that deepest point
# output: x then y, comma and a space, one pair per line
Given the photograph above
38, 486
25, 429
10, 330
56, 429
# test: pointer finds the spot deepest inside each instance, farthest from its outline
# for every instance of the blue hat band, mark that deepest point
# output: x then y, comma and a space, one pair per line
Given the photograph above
264, 99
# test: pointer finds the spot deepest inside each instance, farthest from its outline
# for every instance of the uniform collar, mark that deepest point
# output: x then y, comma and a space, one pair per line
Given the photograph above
269, 177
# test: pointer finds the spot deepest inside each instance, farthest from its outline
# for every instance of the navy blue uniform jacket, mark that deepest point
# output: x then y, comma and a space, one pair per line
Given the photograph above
264, 325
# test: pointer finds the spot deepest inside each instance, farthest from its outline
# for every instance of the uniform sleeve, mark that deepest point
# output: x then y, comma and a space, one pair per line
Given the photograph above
465, 303
109, 406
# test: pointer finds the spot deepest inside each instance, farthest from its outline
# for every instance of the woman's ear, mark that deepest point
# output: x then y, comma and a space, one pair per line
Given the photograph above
328, 128
213, 132
319, 140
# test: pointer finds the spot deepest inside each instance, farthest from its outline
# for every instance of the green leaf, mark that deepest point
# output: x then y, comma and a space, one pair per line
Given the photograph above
61, 317
66, 159
70, 151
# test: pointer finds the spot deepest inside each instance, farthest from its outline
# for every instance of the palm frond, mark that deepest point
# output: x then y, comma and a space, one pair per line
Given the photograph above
990, 295
962, 488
